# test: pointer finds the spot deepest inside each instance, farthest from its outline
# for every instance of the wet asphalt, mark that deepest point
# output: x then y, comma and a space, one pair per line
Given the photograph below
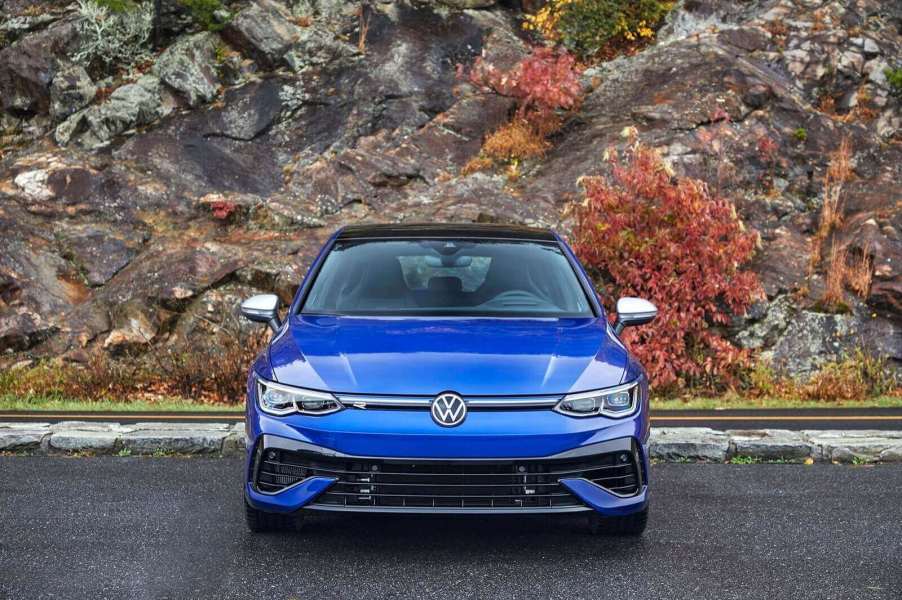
111, 527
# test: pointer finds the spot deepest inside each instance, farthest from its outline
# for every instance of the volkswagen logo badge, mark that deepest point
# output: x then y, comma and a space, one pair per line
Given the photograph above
449, 409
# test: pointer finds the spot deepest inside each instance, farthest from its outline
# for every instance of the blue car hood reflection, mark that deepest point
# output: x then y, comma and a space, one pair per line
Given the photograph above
425, 356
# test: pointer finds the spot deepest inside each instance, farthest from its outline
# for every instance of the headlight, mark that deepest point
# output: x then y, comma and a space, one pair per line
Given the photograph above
277, 399
616, 402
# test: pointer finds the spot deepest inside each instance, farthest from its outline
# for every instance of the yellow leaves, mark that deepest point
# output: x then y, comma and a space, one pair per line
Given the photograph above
633, 32
623, 28
545, 20
629, 133
667, 166
590, 27
809, 461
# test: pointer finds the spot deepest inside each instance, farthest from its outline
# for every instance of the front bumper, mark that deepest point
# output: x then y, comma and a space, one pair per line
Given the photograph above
329, 455
286, 475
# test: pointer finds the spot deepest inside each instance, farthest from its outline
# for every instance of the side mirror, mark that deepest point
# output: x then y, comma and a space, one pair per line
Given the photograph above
634, 311
262, 309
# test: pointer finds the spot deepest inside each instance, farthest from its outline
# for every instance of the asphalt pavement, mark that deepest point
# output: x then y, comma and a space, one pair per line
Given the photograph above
111, 527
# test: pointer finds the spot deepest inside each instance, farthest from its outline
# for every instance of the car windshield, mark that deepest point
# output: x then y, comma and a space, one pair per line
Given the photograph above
447, 277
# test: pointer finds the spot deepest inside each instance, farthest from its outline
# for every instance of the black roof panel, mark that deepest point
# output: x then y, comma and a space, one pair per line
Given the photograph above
448, 230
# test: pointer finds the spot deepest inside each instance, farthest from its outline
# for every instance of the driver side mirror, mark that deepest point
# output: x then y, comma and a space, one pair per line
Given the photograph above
632, 312
263, 308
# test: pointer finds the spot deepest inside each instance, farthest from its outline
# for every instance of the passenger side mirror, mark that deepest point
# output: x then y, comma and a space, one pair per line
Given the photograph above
263, 308
634, 311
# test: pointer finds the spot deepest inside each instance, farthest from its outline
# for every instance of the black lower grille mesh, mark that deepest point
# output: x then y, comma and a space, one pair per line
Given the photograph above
452, 484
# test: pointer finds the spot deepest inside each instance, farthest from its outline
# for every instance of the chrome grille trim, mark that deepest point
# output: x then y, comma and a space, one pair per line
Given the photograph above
473, 402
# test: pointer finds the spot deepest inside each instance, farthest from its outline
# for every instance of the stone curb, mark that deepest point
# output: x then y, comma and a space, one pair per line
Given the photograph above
212, 439
667, 444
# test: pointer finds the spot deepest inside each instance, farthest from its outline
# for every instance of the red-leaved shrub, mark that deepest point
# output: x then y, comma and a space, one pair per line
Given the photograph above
223, 209
544, 81
646, 233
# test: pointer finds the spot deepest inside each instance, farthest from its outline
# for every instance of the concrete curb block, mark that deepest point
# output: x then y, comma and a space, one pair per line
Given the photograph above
667, 444
226, 439
679, 444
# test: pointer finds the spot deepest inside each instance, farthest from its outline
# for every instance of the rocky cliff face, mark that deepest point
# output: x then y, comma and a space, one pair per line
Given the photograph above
140, 215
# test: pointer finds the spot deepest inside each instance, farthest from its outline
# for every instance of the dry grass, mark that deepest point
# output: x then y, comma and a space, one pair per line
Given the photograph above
516, 140
214, 372
364, 28
545, 123
858, 376
34, 10
778, 30
827, 105
835, 277
860, 272
862, 112
846, 271
839, 170
521, 138
476, 164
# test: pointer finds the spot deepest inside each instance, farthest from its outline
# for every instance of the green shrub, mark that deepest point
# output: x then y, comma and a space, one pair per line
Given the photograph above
116, 6
203, 12
894, 79
800, 134
587, 26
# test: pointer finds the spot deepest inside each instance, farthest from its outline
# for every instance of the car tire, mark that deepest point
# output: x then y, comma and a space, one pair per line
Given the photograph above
629, 525
260, 521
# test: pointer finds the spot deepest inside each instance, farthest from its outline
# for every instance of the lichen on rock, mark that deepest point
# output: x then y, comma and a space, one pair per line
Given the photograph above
188, 67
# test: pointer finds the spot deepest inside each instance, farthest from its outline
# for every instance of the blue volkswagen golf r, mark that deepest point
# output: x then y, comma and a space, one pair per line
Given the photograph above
451, 369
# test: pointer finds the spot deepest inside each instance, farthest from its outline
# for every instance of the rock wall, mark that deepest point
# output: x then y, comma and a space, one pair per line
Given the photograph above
140, 215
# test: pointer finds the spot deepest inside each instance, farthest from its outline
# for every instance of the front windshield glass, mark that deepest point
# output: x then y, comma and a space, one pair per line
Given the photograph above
447, 277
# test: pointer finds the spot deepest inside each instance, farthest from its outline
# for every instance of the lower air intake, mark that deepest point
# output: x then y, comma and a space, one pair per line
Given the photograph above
394, 483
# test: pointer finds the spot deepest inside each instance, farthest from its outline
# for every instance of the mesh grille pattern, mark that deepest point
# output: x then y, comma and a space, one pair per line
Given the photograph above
452, 484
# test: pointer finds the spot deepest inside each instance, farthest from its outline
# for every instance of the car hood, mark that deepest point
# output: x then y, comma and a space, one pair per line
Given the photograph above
425, 356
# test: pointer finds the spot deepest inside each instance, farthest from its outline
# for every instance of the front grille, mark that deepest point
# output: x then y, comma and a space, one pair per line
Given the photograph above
396, 483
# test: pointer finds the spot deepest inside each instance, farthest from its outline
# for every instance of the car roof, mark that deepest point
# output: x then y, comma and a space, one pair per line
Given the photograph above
446, 230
